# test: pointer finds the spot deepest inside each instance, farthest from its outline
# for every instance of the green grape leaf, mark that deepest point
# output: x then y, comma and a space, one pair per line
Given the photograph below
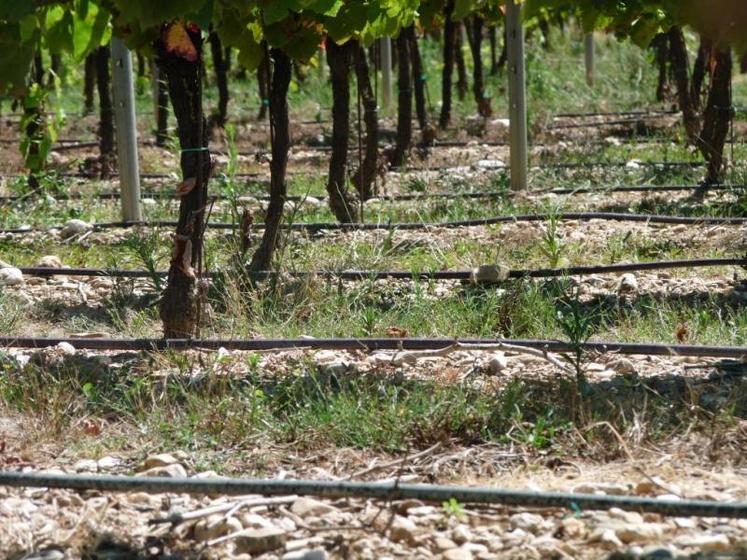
58, 35
15, 59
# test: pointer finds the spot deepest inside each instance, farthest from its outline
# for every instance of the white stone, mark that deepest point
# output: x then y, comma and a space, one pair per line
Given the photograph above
11, 276
66, 348
403, 530
530, 522
705, 543
75, 227
313, 201
442, 543
215, 526
600, 488
49, 261
159, 460
461, 534
258, 541
169, 471
632, 532
304, 507
108, 462
86, 465
497, 363
457, 554
490, 164
505, 123
622, 365
315, 554
628, 284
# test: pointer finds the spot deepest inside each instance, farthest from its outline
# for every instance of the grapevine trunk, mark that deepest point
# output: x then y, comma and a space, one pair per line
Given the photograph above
339, 58
367, 172
448, 70
404, 100
281, 75
180, 305
221, 79
106, 112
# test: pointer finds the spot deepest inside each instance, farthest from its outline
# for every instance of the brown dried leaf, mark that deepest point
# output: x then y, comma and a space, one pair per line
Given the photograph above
396, 332
186, 186
682, 333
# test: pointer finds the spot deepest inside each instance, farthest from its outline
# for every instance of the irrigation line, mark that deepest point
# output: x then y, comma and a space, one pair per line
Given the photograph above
361, 275
639, 188
371, 344
300, 226
598, 124
653, 112
374, 490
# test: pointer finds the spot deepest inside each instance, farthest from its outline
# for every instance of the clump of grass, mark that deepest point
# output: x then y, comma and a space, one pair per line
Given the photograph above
146, 248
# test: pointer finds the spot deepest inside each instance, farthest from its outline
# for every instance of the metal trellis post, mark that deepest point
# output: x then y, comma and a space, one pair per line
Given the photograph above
386, 72
517, 96
124, 118
589, 58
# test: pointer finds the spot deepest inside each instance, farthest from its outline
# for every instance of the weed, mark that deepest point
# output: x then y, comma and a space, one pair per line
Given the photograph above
146, 248
552, 244
578, 323
452, 508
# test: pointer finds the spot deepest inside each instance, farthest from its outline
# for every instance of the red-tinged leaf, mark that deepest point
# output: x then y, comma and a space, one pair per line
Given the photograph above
682, 333
91, 428
177, 42
396, 332
186, 187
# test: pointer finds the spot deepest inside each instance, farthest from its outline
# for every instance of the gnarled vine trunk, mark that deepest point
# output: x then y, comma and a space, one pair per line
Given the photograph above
341, 203
493, 36
478, 87
162, 108
660, 46
180, 305
462, 84
106, 112
448, 71
281, 76
700, 69
221, 79
717, 115
364, 179
404, 100
89, 83
427, 132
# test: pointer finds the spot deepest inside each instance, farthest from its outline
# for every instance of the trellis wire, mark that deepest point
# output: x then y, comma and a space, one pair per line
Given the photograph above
301, 226
360, 275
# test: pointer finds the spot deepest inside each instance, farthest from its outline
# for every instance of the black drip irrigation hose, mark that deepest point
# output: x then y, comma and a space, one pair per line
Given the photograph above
361, 275
388, 491
372, 344
600, 124
653, 112
639, 188
334, 226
